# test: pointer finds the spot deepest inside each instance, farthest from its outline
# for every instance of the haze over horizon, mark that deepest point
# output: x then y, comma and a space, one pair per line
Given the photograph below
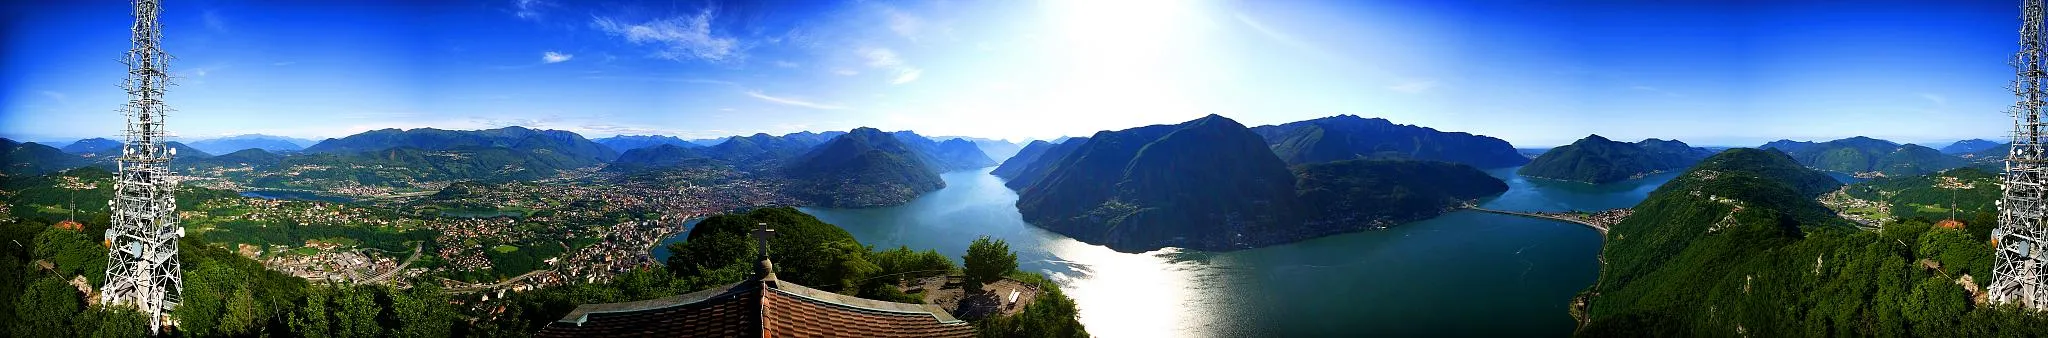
1533, 74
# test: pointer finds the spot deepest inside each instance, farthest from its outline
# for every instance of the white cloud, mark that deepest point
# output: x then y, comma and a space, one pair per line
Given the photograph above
904, 24
1414, 87
905, 75
785, 64
845, 72
553, 57
793, 102
197, 72
881, 57
680, 38
528, 9
1937, 99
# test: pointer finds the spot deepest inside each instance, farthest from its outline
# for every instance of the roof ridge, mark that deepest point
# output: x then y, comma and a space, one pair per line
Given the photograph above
582, 312
920, 309
762, 329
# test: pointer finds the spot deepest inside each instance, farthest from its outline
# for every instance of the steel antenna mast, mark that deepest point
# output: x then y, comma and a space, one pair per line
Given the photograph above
142, 256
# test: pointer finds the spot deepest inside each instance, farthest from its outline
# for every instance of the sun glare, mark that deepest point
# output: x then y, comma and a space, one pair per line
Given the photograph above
1124, 61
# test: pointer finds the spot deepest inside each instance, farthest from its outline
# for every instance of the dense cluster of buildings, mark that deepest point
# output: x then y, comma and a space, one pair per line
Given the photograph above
332, 263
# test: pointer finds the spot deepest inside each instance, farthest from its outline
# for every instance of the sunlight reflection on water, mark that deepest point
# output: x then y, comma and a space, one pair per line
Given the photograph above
1417, 279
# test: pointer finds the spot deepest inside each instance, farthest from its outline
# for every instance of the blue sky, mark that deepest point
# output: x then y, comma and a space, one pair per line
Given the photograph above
1533, 73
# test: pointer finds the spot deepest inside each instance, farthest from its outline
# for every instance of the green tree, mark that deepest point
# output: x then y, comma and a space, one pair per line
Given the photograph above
1934, 306
45, 308
987, 261
240, 315
358, 313
110, 323
205, 297
73, 253
311, 319
853, 265
422, 312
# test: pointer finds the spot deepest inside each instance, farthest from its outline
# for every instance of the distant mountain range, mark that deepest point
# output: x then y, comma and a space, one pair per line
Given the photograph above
953, 154
257, 141
763, 150
1992, 155
863, 168
93, 145
503, 153
1021, 171
1347, 137
997, 150
566, 146
623, 143
30, 158
180, 150
1132, 189
1969, 146
1596, 159
1867, 155
1015, 164
249, 157
659, 156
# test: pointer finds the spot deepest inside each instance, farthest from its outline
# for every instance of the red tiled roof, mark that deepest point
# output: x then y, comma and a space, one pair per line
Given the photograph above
70, 225
758, 308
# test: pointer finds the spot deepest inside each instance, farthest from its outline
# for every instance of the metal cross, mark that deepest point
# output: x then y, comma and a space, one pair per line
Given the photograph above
761, 235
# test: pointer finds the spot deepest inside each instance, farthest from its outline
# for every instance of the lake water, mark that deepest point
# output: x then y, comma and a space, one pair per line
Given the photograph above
1464, 273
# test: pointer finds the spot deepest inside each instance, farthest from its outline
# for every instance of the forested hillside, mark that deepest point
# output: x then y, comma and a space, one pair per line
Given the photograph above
1737, 246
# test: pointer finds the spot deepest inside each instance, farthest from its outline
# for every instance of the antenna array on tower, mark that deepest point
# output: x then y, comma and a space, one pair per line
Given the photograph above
142, 254
2018, 275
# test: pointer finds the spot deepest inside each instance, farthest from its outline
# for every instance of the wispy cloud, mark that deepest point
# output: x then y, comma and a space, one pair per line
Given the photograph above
1937, 99
680, 38
1283, 38
786, 64
529, 9
284, 63
904, 24
792, 101
907, 76
553, 57
881, 57
55, 96
845, 72
196, 75
885, 59
1414, 87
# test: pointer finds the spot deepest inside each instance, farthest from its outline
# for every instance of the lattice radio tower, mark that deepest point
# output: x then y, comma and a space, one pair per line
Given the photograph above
142, 255
2021, 237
